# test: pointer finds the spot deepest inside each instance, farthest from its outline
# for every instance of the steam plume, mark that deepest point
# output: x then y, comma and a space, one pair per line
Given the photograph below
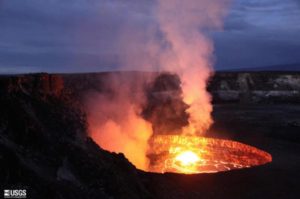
189, 51
177, 43
114, 118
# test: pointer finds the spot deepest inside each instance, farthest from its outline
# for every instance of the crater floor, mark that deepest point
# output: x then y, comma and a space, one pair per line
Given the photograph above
274, 128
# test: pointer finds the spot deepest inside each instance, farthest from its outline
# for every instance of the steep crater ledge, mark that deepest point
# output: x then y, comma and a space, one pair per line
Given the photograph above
255, 87
44, 146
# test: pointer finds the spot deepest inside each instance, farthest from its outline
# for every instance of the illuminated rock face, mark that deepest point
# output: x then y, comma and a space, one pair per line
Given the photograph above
192, 154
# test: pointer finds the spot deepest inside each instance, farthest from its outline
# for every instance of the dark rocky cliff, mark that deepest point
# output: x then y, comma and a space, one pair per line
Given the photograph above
255, 87
225, 87
44, 146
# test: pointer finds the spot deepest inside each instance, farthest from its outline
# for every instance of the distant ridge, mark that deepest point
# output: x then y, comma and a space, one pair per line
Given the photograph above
283, 67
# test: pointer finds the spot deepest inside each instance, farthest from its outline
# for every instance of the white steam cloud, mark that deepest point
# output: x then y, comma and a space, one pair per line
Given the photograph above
189, 51
176, 42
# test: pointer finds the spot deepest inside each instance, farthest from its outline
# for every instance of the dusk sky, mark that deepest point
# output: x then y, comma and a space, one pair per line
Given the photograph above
82, 35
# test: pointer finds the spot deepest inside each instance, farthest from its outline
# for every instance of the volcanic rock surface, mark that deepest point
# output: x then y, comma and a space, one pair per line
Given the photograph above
45, 148
256, 87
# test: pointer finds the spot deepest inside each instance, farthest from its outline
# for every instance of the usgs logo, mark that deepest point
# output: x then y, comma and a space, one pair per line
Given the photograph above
15, 193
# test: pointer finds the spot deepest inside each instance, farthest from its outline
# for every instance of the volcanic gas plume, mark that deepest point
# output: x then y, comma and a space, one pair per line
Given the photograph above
181, 47
114, 118
189, 52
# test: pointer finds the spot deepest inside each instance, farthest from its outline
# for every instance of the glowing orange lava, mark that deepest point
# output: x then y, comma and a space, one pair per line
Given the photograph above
187, 158
193, 154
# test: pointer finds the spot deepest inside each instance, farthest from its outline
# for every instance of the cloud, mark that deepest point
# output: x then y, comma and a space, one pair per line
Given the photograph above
258, 33
44, 35
79, 34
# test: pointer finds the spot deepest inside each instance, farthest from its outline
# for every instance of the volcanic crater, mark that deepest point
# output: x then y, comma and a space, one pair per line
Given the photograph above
46, 149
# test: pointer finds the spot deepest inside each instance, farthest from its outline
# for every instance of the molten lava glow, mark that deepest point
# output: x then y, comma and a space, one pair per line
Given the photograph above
186, 162
187, 158
193, 154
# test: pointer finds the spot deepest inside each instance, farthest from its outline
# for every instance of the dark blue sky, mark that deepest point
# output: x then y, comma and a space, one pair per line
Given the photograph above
81, 35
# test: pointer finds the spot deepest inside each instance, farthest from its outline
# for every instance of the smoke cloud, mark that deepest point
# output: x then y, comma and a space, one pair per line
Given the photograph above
176, 43
114, 117
189, 52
